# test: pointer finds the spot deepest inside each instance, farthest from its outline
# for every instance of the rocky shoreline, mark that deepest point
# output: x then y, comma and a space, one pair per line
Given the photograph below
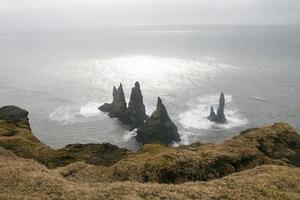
264, 156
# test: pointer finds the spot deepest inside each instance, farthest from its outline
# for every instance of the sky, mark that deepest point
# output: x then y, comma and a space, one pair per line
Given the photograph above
80, 14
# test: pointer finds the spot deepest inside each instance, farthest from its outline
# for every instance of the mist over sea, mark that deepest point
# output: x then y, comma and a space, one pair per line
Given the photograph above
62, 78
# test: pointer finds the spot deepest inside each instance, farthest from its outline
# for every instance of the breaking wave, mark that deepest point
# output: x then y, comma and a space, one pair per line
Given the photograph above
76, 113
129, 135
197, 117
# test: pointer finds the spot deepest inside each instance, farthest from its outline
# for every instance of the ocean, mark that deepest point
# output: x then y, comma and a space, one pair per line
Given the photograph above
61, 78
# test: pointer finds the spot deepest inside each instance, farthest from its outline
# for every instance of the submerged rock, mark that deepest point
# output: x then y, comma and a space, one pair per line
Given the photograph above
158, 128
136, 108
220, 116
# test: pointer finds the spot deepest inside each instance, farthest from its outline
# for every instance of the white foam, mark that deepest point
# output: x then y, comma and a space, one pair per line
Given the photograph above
150, 109
197, 117
129, 135
71, 114
186, 137
90, 109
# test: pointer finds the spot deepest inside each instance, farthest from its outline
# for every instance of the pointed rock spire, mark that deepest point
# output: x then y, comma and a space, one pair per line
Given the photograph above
118, 108
121, 96
115, 95
220, 116
212, 116
136, 107
158, 128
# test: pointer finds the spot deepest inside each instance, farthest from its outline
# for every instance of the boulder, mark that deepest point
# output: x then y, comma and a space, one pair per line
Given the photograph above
158, 128
136, 108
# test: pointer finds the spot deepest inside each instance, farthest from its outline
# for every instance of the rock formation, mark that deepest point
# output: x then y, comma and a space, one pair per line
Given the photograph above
12, 114
118, 108
136, 108
158, 128
220, 116
134, 115
212, 115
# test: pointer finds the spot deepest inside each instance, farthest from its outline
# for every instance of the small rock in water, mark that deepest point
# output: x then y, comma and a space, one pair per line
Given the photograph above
220, 116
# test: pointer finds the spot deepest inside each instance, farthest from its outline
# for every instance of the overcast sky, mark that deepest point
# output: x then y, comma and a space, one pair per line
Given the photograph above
60, 14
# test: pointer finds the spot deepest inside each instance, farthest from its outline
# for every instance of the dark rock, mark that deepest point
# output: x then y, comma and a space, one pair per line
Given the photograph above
158, 128
136, 108
107, 107
212, 116
220, 116
118, 108
14, 114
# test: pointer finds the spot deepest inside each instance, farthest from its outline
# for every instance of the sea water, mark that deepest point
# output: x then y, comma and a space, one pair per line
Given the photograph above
62, 78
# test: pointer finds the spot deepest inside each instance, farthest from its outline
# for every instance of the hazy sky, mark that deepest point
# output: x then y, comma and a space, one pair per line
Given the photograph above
60, 14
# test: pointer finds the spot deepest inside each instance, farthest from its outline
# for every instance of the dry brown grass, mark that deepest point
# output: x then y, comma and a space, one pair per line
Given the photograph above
257, 164
277, 144
26, 179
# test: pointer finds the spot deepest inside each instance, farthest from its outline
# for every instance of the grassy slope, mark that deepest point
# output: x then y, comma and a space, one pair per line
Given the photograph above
260, 163
26, 179
277, 144
19, 139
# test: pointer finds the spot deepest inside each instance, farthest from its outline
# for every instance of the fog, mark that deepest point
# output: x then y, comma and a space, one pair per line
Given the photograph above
56, 15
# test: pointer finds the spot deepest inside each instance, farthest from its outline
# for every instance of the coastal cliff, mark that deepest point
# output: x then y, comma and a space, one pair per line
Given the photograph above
258, 163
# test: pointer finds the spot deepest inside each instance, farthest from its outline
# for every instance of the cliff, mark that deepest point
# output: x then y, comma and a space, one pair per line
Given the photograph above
259, 163
16, 136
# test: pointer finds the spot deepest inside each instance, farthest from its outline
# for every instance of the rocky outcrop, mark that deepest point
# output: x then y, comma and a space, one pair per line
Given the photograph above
15, 115
134, 115
158, 128
16, 136
118, 108
220, 116
136, 108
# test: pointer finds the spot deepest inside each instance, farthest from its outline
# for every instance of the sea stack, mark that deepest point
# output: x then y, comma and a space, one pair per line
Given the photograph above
118, 108
136, 108
158, 128
220, 116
